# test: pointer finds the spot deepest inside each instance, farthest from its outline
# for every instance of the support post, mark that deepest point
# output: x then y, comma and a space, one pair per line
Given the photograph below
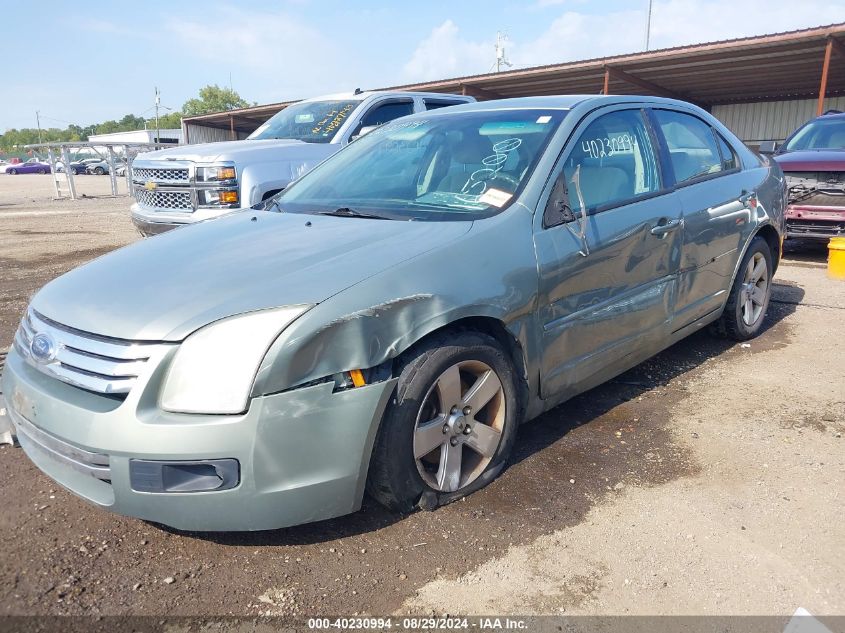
828, 50
53, 173
112, 167
606, 88
232, 127
71, 185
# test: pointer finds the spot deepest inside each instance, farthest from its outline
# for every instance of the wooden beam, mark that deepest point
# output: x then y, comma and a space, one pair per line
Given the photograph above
479, 93
606, 88
838, 46
651, 87
828, 50
232, 128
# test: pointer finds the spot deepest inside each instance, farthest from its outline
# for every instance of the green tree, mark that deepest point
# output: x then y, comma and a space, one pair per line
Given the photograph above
214, 99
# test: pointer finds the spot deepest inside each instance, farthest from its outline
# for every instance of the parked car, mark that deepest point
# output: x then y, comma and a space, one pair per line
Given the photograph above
181, 185
391, 318
813, 162
78, 166
98, 167
31, 166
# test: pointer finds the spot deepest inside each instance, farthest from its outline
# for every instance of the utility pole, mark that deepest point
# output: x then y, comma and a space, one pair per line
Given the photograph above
648, 24
501, 60
38, 122
158, 102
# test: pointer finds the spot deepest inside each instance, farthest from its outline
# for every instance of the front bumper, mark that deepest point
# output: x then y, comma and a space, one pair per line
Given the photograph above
154, 221
303, 453
815, 221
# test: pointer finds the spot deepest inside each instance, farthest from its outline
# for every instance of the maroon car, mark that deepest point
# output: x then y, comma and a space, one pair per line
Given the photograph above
32, 166
813, 161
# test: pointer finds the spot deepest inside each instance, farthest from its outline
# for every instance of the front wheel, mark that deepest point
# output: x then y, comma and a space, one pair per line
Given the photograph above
451, 426
12, 171
746, 308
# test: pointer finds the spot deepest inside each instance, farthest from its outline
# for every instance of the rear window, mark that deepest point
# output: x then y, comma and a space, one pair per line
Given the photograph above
692, 146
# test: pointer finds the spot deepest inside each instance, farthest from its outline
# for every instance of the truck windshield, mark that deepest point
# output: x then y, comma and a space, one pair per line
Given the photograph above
818, 135
458, 166
309, 121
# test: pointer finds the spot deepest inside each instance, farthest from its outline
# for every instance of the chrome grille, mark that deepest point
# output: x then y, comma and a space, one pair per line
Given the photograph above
144, 174
164, 199
96, 363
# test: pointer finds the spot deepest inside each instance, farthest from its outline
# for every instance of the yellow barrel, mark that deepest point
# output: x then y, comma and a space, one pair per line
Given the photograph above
836, 258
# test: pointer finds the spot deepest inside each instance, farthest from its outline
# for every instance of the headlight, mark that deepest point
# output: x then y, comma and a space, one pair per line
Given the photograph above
216, 197
215, 367
216, 174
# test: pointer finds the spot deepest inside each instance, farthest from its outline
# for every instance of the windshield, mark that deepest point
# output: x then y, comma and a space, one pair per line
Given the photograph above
309, 121
447, 166
819, 134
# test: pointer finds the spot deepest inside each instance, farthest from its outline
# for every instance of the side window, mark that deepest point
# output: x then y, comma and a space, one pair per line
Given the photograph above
729, 159
692, 146
434, 104
611, 161
387, 112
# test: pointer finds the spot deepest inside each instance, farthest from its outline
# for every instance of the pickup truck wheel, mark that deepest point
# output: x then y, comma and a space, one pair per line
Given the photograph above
746, 308
451, 426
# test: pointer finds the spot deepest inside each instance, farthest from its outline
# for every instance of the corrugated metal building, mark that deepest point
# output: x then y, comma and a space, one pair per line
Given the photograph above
761, 87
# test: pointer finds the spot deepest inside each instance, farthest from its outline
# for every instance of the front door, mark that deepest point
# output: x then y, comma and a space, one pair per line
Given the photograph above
608, 257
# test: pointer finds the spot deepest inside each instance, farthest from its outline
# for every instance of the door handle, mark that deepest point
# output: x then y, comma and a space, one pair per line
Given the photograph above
666, 227
748, 199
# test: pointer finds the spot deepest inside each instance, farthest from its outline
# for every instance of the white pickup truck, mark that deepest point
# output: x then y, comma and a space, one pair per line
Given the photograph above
186, 184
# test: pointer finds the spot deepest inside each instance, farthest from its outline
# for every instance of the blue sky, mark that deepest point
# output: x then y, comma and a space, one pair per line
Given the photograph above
90, 60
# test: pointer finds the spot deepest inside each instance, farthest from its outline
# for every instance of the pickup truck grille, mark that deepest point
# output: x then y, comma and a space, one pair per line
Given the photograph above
96, 363
163, 199
144, 174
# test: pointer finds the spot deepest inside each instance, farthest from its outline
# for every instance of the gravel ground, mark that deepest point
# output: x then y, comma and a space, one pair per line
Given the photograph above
707, 480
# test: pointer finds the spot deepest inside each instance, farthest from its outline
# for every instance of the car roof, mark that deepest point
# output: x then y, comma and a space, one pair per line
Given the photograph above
560, 102
351, 96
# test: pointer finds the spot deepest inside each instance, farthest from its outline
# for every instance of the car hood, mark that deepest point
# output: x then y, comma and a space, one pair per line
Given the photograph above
228, 150
812, 160
163, 288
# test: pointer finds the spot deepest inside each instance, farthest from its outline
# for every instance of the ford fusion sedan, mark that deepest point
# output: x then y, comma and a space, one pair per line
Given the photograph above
387, 322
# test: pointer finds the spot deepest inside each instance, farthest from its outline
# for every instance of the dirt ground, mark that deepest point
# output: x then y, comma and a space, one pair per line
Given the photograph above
708, 480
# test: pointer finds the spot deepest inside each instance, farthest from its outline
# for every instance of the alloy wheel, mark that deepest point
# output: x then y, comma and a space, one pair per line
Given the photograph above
459, 426
754, 290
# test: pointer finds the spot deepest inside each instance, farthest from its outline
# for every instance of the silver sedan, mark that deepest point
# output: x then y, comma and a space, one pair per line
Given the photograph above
388, 321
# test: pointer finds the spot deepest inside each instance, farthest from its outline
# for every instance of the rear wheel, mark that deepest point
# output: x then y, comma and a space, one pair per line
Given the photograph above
746, 308
451, 426
12, 171
42, 171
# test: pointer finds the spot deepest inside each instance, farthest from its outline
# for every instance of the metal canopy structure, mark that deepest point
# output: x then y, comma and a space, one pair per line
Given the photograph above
245, 120
807, 63
110, 155
791, 65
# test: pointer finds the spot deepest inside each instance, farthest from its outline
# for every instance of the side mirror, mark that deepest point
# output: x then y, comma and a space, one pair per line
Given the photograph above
364, 130
768, 147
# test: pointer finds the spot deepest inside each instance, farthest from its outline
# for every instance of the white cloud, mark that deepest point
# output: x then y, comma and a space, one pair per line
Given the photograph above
576, 35
444, 54
291, 58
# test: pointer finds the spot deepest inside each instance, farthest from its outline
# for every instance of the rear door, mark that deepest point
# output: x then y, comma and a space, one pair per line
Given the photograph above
606, 298
715, 195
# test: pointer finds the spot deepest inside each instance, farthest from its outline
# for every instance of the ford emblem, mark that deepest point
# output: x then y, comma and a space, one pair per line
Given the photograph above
43, 348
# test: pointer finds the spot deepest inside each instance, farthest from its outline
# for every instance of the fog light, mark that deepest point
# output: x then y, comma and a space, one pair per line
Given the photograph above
196, 476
